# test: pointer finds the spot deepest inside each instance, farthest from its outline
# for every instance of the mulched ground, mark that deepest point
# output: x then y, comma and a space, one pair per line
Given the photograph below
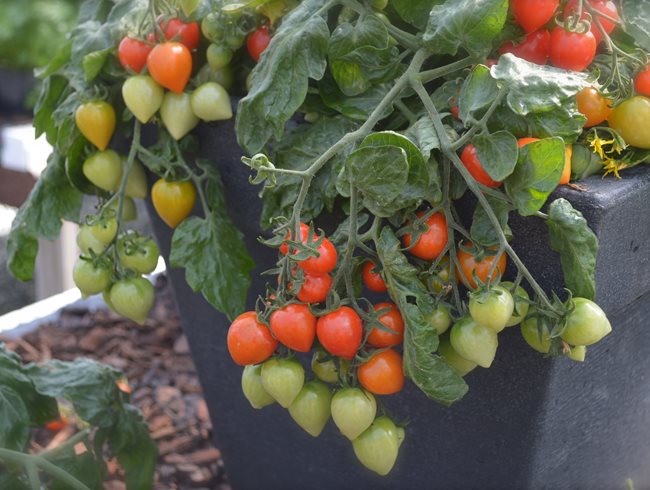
156, 360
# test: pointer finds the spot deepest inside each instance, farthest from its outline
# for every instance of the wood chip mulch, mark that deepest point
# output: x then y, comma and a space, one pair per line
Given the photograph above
156, 360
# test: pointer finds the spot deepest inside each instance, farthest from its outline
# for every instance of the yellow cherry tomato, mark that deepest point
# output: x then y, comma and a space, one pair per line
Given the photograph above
173, 201
96, 121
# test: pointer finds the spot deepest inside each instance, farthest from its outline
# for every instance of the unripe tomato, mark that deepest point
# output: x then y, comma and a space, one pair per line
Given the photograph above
104, 170
631, 120
393, 320
533, 14
173, 201
492, 308
137, 253
211, 27
593, 106
186, 33
177, 114
104, 230
607, 7
315, 288
441, 279
129, 211
475, 168
577, 353
642, 82
474, 342
353, 411
170, 64
88, 243
378, 446
470, 266
311, 408
90, 278
531, 334
133, 53
211, 102
294, 326
379, 4
283, 379
324, 367
571, 50
586, 324
96, 121
136, 183
326, 260
382, 374
432, 242
218, 56
535, 48
458, 363
373, 280
251, 385
249, 341
340, 332
257, 42
143, 96
522, 305
439, 319
133, 298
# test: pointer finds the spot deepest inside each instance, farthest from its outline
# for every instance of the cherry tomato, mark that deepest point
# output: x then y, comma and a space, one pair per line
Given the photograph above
492, 308
373, 280
382, 374
340, 332
88, 243
521, 298
315, 288
170, 64
441, 279
586, 324
391, 319
458, 363
535, 48
324, 367
378, 446
57, 424
474, 342
353, 411
133, 53
606, 7
572, 51
470, 266
186, 33
251, 385
90, 278
473, 165
311, 408
257, 42
211, 102
577, 353
177, 114
143, 96
173, 201
439, 319
530, 332
568, 153
326, 260
294, 326
136, 183
104, 229
96, 121
533, 14
104, 169
133, 298
249, 341
283, 379
137, 253
454, 108
631, 120
432, 242
642, 82
218, 56
593, 106
129, 211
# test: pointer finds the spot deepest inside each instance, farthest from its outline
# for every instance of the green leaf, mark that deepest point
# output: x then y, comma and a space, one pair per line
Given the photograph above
482, 230
87, 467
478, 93
53, 199
415, 12
536, 175
213, 252
636, 21
536, 88
467, 24
94, 62
57, 62
498, 153
571, 237
51, 91
358, 107
428, 371
442, 96
14, 420
13, 482
584, 162
423, 133
279, 82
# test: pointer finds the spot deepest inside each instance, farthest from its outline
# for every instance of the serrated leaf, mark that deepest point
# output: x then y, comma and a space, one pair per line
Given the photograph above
86, 466
498, 153
482, 230
14, 420
415, 12
636, 21
358, 107
423, 133
477, 94
94, 62
51, 92
571, 237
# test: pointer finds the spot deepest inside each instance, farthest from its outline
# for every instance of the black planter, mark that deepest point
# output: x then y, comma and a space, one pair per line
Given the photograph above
527, 422
15, 85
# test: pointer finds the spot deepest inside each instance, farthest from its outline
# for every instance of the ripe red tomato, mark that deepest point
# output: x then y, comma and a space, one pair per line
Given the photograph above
257, 42
533, 14
572, 51
170, 64
607, 7
454, 109
373, 280
340, 332
249, 341
393, 320
473, 165
294, 326
188, 34
470, 265
642, 82
326, 260
133, 53
432, 242
535, 48
382, 374
315, 288
57, 424
568, 154
594, 106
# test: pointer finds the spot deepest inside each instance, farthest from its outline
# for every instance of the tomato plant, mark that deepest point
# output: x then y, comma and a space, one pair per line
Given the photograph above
606, 7
185, 33
586, 324
251, 384
492, 307
630, 120
96, 121
593, 106
315, 288
90, 278
143, 96
378, 446
473, 267
132, 298
642, 82
210, 102
137, 253
474, 342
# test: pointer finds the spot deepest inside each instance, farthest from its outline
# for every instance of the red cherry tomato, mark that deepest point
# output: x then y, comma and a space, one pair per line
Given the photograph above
315, 288
133, 53
294, 326
249, 341
535, 48
373, 280
606, 7
170, 64
572, 51
393, 320
473, 165
490, 62
340, 332
481, 268
594, 106
454, 109
431, 243
257, 42
188, 34
326, 260
533, 14
642, 82
57, 424
382, 374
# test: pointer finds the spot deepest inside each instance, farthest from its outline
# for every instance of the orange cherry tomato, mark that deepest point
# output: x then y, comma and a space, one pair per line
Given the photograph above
170, 64
373, 280
433, 241
470, 265
249, 341
382, 374
57, 424
393, 320
593, 106
173, 201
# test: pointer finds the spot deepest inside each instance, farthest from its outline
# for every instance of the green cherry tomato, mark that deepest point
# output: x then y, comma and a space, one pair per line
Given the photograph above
211, 27
440, 319
353, 410
143, 96
461, 365
106, 296
283, 379
474, 342
378, 4
522, 304
177, 115
378, 446
137, 253
631, 120
311, 408
133, 298
129, 209
577, 353
104, 230
218, 56
531, 335
88, 243
251, 385
104, 169
324, 366
586, 324
491, 308
90, 278
136, 183
211, 102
